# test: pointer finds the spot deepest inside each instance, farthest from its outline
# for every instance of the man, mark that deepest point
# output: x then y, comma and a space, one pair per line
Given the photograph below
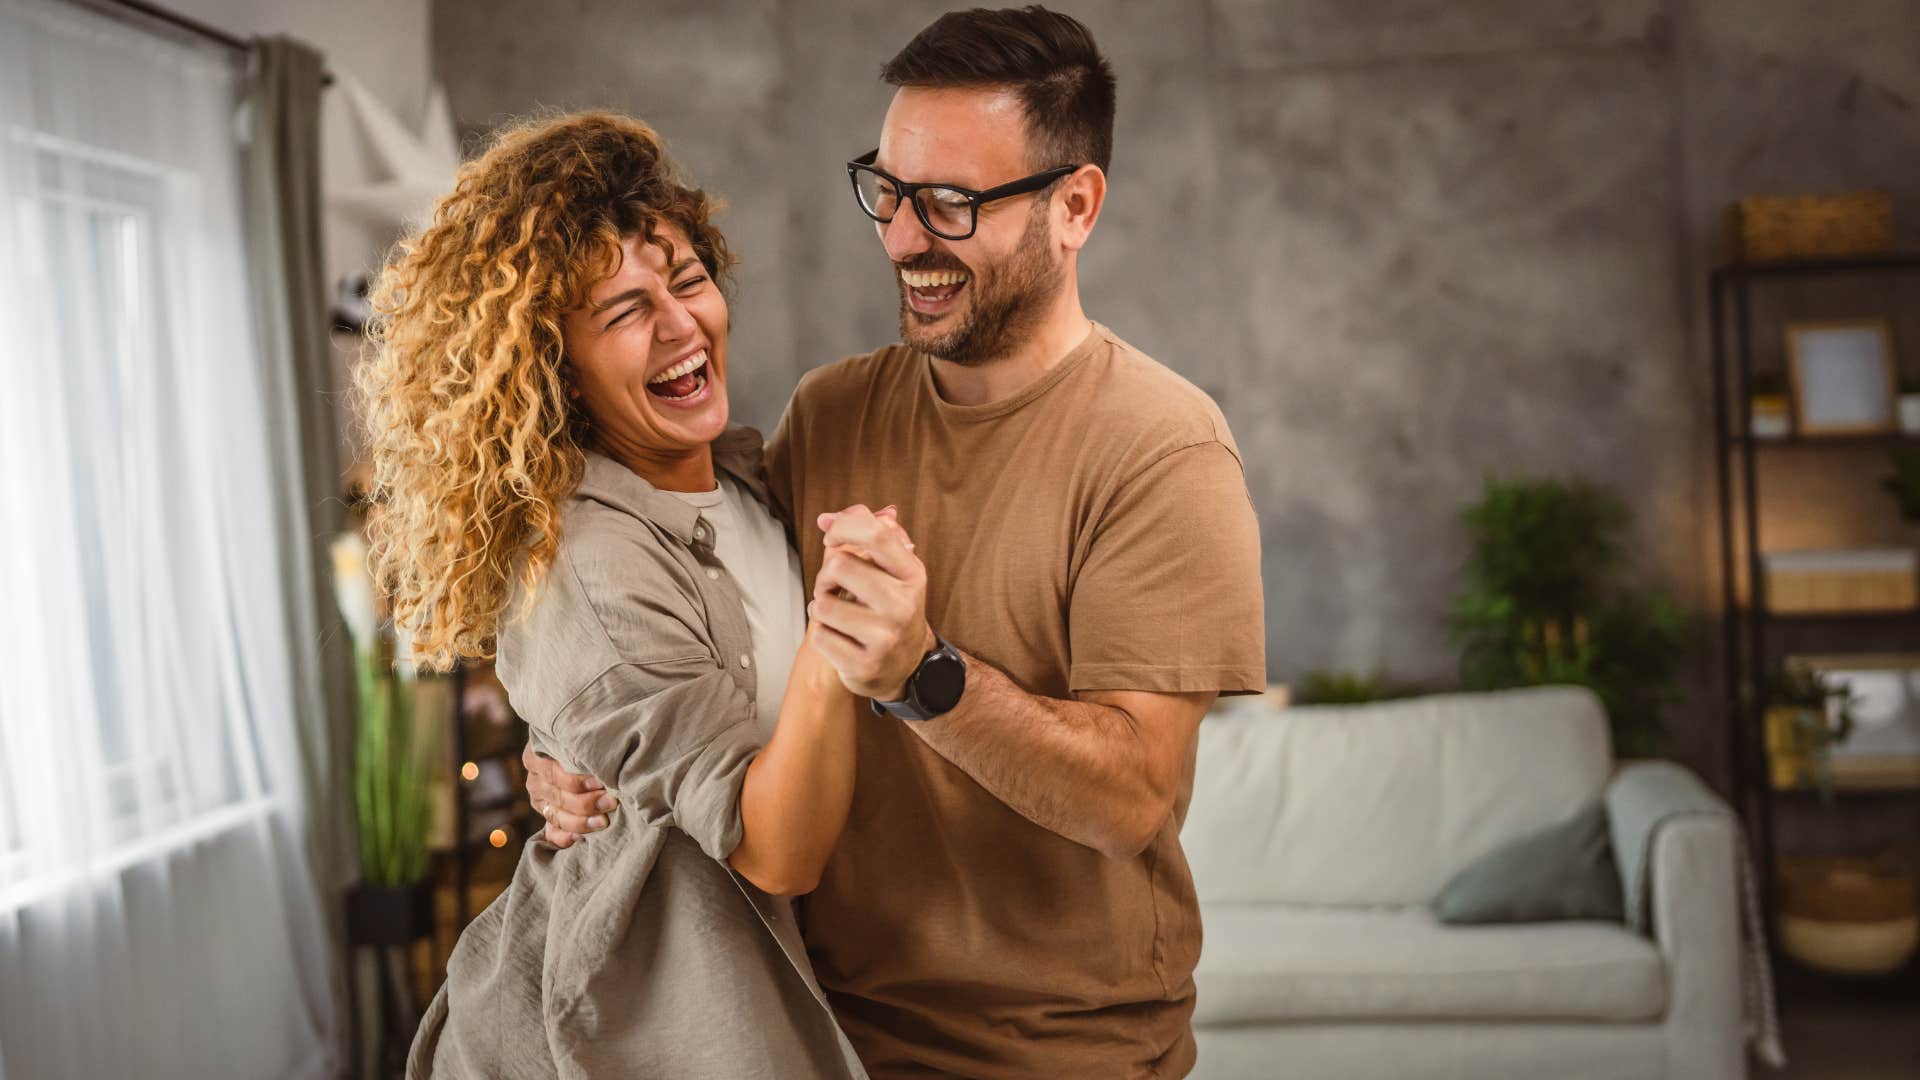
1010, 897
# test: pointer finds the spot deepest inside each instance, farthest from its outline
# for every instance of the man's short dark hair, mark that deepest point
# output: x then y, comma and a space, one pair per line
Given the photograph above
1049, 59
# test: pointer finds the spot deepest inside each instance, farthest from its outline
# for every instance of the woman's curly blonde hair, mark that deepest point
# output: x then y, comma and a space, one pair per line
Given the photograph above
475, 439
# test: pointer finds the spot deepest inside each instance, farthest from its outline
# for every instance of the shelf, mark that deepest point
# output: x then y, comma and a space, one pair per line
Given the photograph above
1838, 619
1883, 441
1847, 791
1893, 260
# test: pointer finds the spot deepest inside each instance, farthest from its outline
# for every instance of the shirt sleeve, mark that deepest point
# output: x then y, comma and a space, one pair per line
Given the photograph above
1168, 594
614, 670
673, 738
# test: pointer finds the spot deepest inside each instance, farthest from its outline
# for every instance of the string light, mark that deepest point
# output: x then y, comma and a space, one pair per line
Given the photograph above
498, 838
471, 772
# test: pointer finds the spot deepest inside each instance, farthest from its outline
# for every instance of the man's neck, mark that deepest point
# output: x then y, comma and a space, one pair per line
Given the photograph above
1009, 373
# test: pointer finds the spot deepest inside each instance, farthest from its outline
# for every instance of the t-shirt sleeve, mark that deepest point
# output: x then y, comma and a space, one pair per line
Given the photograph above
673, 738
1168, 596
780, 457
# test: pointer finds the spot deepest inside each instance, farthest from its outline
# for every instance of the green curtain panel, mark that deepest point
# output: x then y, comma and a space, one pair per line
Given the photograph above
283, 205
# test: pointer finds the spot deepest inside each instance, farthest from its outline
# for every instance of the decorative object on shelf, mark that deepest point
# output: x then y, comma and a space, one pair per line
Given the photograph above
1843, 581
1909, 404
1883, 752
1544, 604
1808, 714
1769, 227
1843, 377
1848, 915
1769, 412
1904, 484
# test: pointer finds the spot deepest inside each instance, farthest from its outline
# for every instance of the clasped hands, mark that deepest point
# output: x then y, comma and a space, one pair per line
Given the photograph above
867, 619
868, 614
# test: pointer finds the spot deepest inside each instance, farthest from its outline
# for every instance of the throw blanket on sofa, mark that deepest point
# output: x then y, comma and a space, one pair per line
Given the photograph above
1646, 795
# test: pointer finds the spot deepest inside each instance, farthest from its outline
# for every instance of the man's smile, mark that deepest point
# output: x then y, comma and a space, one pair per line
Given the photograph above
933, 292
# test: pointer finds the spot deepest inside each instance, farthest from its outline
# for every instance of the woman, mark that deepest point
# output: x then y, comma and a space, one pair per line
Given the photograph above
555, 481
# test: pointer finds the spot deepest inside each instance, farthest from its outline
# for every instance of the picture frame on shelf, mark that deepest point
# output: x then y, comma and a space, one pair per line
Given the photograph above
1844, 380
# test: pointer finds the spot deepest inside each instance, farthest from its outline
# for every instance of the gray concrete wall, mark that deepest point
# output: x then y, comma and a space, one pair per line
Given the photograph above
1404, 244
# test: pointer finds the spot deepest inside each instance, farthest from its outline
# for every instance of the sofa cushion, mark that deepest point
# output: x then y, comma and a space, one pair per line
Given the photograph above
1272, 964
1564, 871
1382, 804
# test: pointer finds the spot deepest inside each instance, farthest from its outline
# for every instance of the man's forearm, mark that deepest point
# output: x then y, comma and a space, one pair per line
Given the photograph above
1079, 769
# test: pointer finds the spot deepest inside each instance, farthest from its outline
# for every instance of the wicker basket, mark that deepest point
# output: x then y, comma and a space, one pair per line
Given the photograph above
1767, 227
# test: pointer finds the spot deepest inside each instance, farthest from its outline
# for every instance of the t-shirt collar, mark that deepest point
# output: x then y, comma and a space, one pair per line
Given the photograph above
1021, 397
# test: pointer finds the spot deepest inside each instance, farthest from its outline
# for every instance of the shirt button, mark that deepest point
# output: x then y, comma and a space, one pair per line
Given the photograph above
712, 574
745, 660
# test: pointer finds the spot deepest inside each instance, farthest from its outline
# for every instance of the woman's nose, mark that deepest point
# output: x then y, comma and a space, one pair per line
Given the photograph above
675, 321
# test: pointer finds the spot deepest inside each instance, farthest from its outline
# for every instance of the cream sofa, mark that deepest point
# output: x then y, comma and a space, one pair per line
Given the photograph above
1318, 836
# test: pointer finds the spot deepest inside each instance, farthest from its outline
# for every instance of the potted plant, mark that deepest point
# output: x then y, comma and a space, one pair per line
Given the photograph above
1806, 717
391, 904
1320, 687
1768, 415
1909, 403
1545, 603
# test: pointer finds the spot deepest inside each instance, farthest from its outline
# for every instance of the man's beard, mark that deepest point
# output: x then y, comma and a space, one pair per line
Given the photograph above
1008, 301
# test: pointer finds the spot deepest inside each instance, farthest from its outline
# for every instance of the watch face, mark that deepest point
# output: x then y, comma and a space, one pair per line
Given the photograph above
940, 682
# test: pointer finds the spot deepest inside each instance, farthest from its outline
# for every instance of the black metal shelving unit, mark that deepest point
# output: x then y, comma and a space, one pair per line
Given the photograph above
476, 816
1753, 636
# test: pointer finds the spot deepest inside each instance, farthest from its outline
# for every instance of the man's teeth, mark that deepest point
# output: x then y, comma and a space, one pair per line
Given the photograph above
932, 279
685, 367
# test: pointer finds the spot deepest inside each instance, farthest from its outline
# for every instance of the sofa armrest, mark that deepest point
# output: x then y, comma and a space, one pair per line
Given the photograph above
1684, 889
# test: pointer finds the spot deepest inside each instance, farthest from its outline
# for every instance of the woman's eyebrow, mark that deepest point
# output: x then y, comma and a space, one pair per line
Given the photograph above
639, 293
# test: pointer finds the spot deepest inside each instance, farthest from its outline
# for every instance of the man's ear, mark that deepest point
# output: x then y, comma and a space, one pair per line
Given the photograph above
1079, 201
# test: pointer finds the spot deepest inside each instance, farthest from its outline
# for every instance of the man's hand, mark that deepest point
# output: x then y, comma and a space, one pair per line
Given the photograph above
870, 598
573, 805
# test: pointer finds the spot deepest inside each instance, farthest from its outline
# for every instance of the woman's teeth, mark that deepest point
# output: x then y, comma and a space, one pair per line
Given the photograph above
681, 381
685, 367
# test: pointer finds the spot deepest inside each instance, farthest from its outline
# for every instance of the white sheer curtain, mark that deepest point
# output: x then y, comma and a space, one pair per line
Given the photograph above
156, 915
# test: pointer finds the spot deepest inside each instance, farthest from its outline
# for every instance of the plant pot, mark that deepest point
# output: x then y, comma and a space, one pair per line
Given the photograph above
1910, 414
1769, 417
389, 915
1791, 754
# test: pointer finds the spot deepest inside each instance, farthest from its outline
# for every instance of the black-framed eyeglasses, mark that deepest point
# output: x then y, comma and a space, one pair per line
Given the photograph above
949, 212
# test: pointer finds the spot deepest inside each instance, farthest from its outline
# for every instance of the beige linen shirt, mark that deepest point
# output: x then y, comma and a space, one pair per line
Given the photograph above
637, 952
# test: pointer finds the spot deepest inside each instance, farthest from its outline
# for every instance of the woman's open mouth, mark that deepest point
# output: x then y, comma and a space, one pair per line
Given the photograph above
685, 383
933, 292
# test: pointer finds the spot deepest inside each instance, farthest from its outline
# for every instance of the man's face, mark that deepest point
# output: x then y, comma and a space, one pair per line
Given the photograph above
972, 300
654, 316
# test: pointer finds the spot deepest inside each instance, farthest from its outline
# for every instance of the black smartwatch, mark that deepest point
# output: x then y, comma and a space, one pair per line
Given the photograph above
933, 689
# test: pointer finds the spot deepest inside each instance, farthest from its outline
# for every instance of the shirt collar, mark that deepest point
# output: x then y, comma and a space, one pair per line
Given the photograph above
736, 453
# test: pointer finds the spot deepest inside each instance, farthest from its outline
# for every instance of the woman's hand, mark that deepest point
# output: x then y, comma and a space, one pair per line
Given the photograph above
573, 805
871, 599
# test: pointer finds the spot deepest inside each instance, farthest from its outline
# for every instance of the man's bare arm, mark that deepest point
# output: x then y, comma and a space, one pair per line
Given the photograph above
1104, 769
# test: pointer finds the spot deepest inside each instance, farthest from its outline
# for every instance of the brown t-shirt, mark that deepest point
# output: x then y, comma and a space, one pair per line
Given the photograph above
1091, 532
